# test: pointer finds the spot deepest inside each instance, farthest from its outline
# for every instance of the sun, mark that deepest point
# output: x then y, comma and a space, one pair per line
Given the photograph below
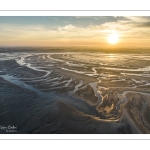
113, 38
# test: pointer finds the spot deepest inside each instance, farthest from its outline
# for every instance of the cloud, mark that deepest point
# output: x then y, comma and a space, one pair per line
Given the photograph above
138, 19
145, 24
69, 27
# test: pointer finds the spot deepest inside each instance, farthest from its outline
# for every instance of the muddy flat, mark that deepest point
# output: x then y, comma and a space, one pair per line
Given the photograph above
74, 93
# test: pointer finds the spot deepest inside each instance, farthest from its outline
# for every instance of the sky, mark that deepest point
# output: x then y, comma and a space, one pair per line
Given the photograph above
131, 31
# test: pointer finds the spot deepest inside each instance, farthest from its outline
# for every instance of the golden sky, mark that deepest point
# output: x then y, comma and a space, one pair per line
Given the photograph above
75, 31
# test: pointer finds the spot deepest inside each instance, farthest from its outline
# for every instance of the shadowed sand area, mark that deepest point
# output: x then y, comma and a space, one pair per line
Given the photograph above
67, 93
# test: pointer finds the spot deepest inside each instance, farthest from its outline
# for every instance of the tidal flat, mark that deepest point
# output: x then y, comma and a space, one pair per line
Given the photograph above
74, 92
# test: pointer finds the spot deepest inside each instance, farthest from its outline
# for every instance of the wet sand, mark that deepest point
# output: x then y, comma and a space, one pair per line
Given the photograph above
67, 93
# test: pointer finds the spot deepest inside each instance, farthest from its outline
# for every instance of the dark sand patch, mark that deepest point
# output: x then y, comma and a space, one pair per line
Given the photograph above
88, 95
137, 110
108, 104
65, 119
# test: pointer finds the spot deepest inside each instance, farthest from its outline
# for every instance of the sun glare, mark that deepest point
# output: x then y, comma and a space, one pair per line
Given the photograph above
113, 38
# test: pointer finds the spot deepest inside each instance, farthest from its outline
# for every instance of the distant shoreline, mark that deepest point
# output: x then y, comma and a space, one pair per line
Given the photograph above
74, 49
